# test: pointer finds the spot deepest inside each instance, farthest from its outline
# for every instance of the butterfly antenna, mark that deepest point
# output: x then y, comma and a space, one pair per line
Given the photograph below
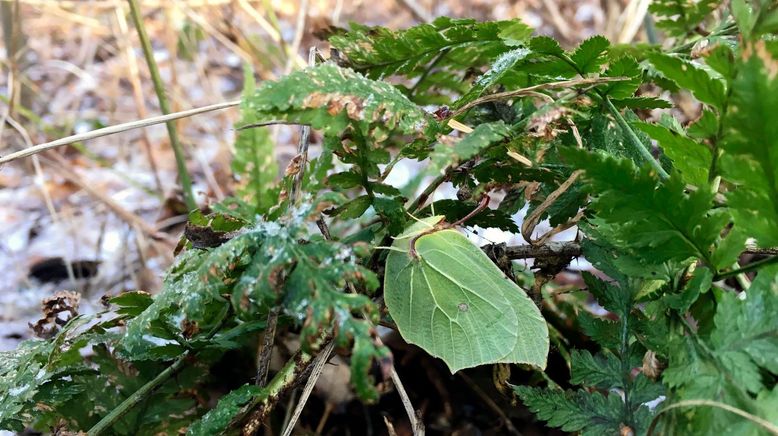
419, 220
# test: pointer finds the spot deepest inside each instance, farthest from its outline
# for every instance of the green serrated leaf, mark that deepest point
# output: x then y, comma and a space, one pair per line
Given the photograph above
354, 208
501, 66
687, 75
689, 157
750, 145
545, 45
602, 370
591, 413
218, 419
681, 17
600, 330
515, 33
700, 283
329, 98
481, 137
622, 67
735, 362
435, 52
344, 180
132, 303
659, 221
589, 56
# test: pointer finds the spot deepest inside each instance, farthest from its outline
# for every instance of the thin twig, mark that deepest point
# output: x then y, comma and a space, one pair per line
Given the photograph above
528, 226
261, 405
767, 425
633, 138
137, 396
115, 129
479, 208
750, 267
416, 425
428, 191
266, 349
159, 89
492, 405
302, 146
318, 366
270, 123
532, 89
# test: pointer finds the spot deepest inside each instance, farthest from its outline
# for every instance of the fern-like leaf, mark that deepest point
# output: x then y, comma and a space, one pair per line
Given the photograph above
330, 98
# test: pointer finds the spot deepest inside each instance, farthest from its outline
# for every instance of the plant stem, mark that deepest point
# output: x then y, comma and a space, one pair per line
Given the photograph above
285, 378
266, 348
422, 198
633, 138
111, 130
159, 89
302, 147
750, 267
623, 124
765, 424
137, 396
428, 70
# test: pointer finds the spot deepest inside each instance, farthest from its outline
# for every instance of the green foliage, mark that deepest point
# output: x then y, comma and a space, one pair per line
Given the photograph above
254, 161
679, 17
588, 57
734, 364
674, 313
452, 301
330, 98
474, 142
438, 53
751, 144
604, 410
687, 75
690, 158
653, 221
219, 418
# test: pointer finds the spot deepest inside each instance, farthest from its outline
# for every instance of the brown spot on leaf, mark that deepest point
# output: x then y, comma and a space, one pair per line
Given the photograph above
543, 125
277, 278
245, 302
57, 311
770, 63
652, 367
189, 328
294, 166
336, 103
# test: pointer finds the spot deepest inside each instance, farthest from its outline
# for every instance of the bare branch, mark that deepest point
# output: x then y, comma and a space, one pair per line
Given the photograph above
523, 92
115, 129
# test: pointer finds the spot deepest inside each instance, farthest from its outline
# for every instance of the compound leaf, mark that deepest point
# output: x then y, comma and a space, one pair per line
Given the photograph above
588, 57
329, 98
640, 213
750, 157
705, 87
689, 157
